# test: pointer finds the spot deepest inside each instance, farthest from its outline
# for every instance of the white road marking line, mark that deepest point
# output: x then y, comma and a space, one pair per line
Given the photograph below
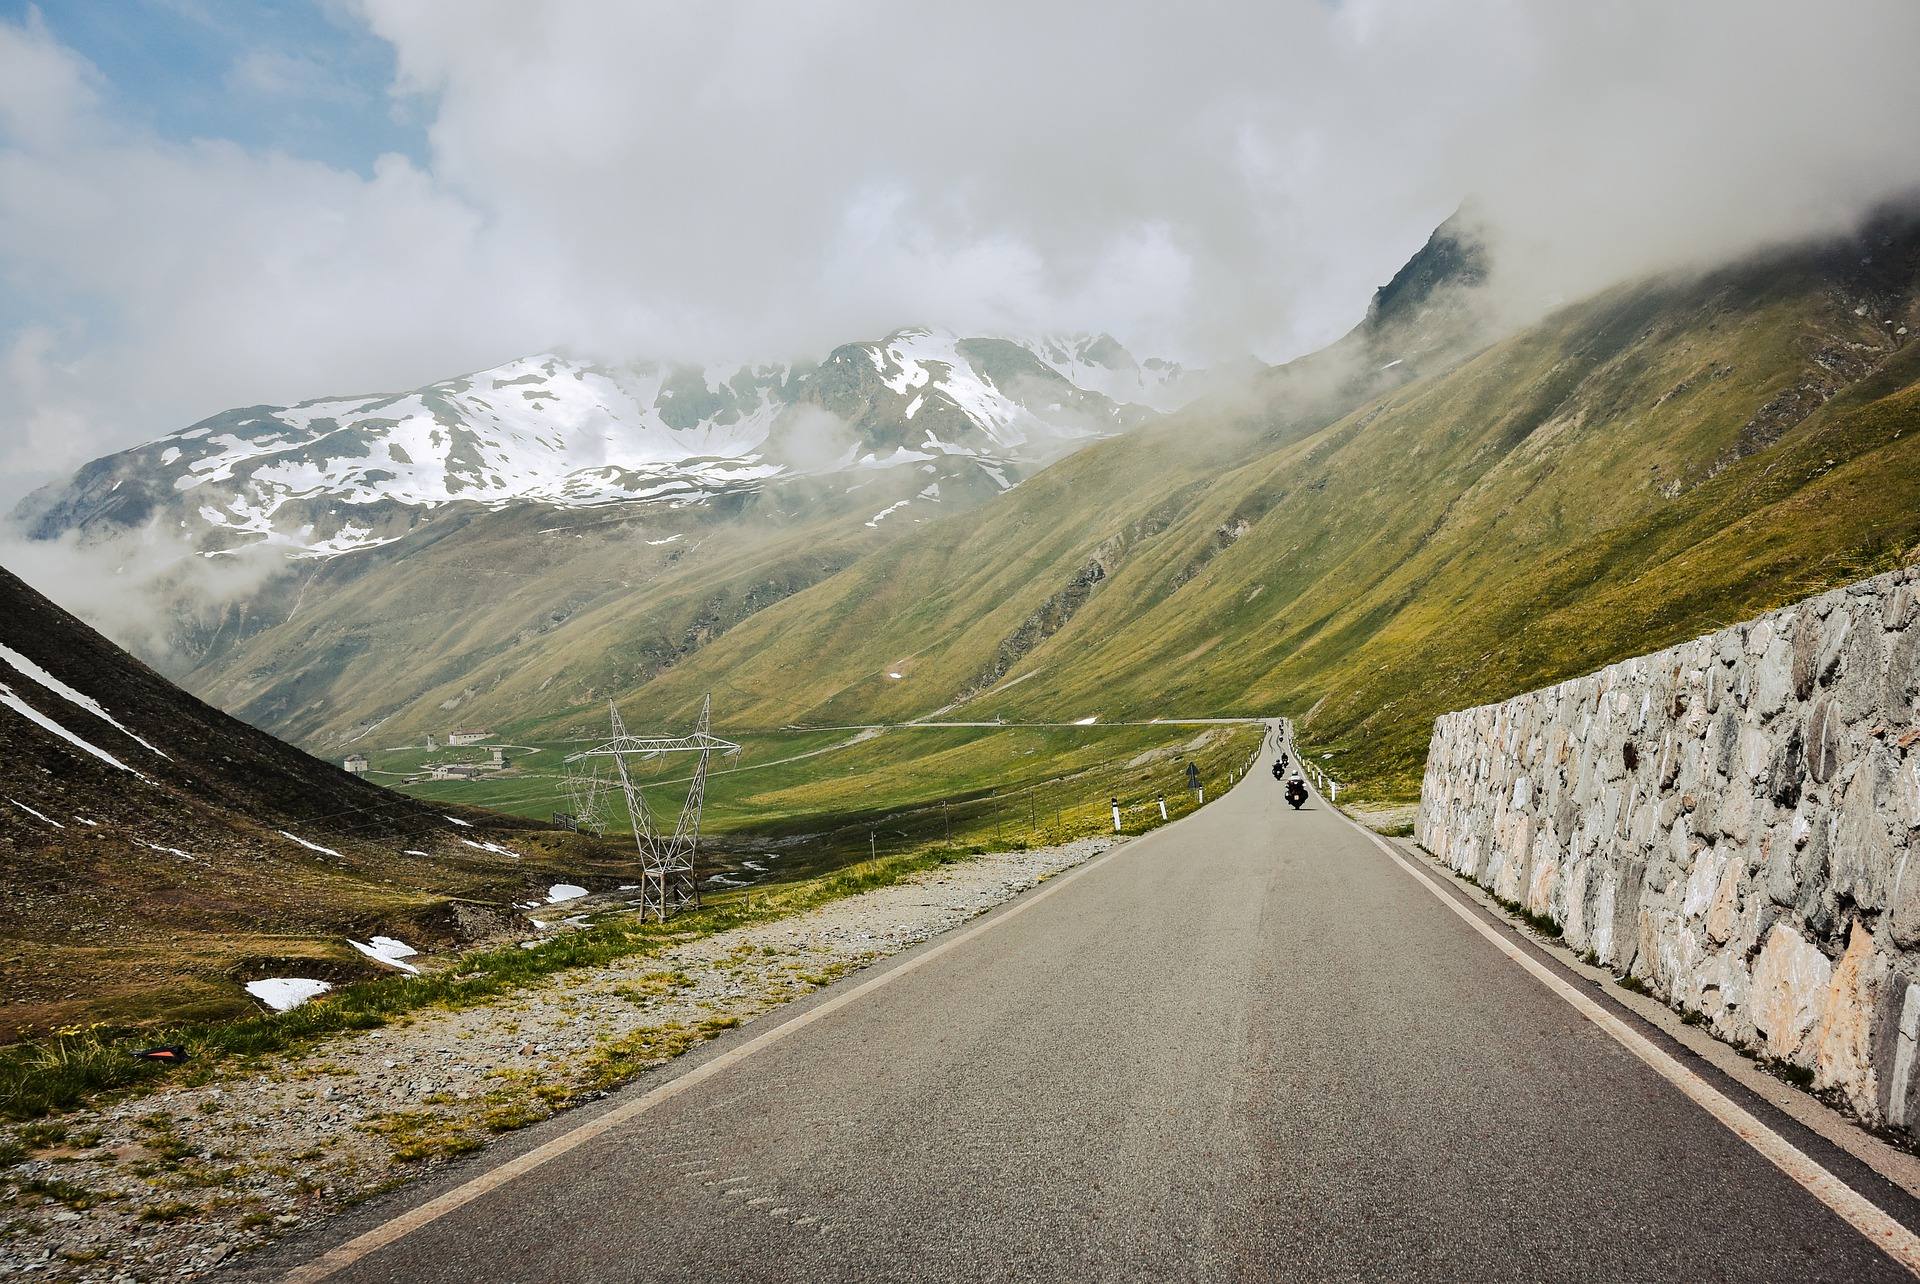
335, 1260
1886, 1234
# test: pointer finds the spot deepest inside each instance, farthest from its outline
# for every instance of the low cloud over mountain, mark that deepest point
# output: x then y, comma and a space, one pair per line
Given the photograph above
707, 183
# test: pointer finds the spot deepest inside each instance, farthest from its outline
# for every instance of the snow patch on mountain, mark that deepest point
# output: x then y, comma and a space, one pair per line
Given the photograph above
345, 474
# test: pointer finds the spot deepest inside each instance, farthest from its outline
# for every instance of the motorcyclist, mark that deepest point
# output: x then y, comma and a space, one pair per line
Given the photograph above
1296, 790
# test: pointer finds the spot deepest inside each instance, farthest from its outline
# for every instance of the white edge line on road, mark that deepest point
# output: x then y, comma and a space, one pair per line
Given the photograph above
344, 1255
1887, 1234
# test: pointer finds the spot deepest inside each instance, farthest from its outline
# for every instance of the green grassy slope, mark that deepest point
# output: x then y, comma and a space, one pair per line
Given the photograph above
796, 803
1637, 468
479, 620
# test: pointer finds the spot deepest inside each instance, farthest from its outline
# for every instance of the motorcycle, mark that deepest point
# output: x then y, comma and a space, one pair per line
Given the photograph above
1296, 792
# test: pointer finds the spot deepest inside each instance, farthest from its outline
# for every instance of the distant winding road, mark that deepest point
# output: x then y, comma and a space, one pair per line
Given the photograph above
1253, 1045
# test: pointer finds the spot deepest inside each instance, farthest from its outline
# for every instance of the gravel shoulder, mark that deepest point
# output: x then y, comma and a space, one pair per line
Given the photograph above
175, 1182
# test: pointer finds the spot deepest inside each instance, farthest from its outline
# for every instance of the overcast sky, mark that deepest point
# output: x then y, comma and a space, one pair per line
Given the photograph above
205, 205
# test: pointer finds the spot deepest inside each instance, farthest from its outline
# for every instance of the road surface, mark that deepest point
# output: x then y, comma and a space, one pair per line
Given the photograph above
1249, 1046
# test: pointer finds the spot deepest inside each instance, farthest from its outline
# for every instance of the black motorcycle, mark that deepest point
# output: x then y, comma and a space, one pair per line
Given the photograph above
1297, 792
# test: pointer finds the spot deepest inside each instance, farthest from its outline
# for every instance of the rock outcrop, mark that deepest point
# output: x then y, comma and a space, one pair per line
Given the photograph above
1731, 821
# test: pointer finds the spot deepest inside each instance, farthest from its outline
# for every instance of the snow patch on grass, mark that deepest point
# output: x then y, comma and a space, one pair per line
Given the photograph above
33, 715
28, 669
284, 993
38, 815
388, 950
882, 514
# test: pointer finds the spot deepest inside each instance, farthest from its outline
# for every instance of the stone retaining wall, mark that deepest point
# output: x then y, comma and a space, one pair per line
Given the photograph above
1730, 821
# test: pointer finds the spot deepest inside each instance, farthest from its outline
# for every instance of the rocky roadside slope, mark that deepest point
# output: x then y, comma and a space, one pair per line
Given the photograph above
174, 1182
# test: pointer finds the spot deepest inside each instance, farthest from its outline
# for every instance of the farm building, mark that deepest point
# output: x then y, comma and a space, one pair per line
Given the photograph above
468, 736
498, 757
356, 763
457, 770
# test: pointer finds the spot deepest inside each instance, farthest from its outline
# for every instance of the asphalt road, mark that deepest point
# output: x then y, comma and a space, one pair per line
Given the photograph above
1248, 1046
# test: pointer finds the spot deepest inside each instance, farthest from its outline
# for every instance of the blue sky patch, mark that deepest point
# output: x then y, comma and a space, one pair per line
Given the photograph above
303, 77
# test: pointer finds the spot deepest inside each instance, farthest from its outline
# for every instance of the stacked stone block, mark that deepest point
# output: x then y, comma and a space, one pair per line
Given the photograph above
1732, 821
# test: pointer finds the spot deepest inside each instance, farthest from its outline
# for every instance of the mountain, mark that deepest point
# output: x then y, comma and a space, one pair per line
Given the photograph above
1366, 539
1425, 515
341, 474
158, 853
582, 604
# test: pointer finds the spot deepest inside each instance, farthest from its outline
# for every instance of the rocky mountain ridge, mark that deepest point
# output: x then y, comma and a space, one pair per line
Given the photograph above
340, 474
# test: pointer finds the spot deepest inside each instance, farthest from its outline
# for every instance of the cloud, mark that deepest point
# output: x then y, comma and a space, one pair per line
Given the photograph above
762, 180
145, 588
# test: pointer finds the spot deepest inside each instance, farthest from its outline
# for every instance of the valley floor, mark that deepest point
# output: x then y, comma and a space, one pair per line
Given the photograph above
174, 1182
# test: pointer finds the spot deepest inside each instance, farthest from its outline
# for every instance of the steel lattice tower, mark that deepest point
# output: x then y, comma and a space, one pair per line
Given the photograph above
667, 879
587, 794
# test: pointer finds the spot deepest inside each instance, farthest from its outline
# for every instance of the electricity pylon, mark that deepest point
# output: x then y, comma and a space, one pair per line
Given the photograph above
667, 881
587, 789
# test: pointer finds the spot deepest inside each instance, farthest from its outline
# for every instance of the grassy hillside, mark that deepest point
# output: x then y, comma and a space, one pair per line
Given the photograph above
206, 853
1406, 523
489, 615
1637, 468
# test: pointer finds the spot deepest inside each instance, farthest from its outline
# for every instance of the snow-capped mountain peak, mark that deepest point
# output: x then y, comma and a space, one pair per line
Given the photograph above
340, 473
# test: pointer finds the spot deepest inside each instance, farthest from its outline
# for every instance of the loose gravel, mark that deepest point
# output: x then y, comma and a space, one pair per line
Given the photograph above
177, 1181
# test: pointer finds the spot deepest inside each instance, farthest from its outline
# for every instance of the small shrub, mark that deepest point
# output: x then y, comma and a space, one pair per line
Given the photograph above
172, 1210
1545, 924
420, 1135
1798, 1076
39, 1136
76, 1197
511, 1114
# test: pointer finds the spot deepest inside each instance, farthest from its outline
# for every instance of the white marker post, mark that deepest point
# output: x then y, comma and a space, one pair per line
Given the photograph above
1163, 806
1116, 815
